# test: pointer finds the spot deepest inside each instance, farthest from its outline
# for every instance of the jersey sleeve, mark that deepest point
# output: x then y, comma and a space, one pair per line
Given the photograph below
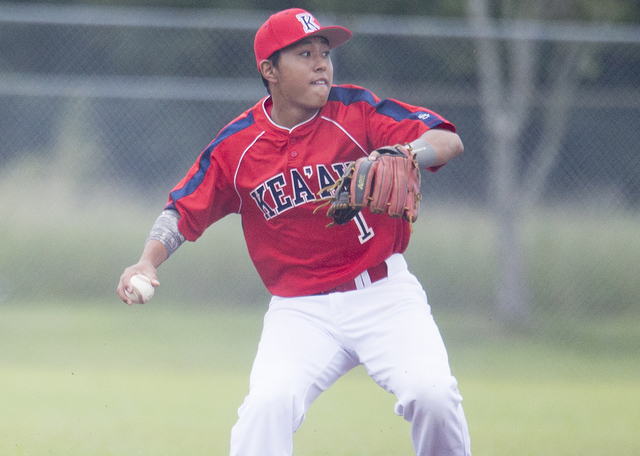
390, 121
395, 122
207, 193
204, 195
400, 123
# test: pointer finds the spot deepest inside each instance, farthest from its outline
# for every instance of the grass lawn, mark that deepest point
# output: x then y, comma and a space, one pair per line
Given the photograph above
100, 378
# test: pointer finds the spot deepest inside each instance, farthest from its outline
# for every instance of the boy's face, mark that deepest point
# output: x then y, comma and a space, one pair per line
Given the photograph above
305, 74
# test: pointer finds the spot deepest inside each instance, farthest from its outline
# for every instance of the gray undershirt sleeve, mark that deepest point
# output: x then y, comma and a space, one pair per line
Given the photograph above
166, 231
424, 152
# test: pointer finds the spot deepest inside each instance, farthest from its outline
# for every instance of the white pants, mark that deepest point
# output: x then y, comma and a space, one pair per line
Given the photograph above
309, 342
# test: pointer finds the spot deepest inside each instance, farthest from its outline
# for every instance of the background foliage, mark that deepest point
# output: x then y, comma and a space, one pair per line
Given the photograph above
609, 10
102, 110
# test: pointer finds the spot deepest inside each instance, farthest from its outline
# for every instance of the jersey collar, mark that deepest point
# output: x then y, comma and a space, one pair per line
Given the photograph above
267, 104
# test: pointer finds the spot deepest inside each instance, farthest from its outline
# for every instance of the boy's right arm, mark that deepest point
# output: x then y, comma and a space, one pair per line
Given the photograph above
153, 255
164, 239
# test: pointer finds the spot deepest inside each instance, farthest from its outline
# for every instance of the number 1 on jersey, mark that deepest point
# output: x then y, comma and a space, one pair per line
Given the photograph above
366, 232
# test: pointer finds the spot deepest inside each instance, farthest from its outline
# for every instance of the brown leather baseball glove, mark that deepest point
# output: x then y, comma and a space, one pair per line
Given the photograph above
387, 181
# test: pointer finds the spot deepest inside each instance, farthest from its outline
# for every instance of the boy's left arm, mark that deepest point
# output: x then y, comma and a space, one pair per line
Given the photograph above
436, 147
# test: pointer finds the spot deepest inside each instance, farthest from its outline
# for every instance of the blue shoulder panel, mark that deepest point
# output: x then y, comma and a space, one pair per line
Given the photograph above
205, 159
389, 108
397, 112
348, 95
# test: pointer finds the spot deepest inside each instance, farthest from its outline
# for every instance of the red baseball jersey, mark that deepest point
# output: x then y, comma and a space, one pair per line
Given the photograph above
274, 177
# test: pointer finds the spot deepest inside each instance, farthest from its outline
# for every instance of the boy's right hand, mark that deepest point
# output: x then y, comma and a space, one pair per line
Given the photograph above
145, 268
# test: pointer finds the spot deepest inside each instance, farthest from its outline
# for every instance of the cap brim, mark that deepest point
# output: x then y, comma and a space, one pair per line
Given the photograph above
335, 35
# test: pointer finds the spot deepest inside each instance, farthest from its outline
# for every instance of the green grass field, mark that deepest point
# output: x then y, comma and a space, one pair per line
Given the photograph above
96, 377
100, 378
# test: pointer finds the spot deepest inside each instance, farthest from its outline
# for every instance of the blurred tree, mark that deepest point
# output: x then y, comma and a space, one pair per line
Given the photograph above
508, 73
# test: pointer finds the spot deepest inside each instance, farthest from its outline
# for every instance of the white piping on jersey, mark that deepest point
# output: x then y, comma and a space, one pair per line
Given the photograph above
346, 133
280, 126
235, 176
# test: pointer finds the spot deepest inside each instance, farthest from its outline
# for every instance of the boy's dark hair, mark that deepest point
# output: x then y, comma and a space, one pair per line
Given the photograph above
274, 59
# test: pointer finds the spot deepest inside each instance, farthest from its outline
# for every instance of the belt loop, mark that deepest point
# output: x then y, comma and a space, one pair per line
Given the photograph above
363, 280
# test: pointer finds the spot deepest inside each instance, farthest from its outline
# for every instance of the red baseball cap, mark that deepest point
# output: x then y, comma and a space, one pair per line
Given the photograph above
286, 27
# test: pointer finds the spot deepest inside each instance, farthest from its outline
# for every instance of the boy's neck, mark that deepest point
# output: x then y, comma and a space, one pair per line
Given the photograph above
289, 117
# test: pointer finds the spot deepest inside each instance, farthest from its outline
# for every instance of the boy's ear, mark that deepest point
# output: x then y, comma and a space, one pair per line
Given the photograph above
268, 71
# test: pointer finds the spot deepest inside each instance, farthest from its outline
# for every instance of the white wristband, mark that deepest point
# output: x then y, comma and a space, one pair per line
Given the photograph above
425, 153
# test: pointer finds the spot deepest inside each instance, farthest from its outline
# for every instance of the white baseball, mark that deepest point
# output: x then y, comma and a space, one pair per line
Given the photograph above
141, 289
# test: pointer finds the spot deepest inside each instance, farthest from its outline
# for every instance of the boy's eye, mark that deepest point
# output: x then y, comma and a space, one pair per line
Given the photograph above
308, 54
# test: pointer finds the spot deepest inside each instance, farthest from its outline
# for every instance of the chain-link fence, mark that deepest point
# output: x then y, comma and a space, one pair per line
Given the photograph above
539, 214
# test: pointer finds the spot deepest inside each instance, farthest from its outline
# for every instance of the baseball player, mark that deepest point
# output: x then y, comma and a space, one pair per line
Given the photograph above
341, 295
